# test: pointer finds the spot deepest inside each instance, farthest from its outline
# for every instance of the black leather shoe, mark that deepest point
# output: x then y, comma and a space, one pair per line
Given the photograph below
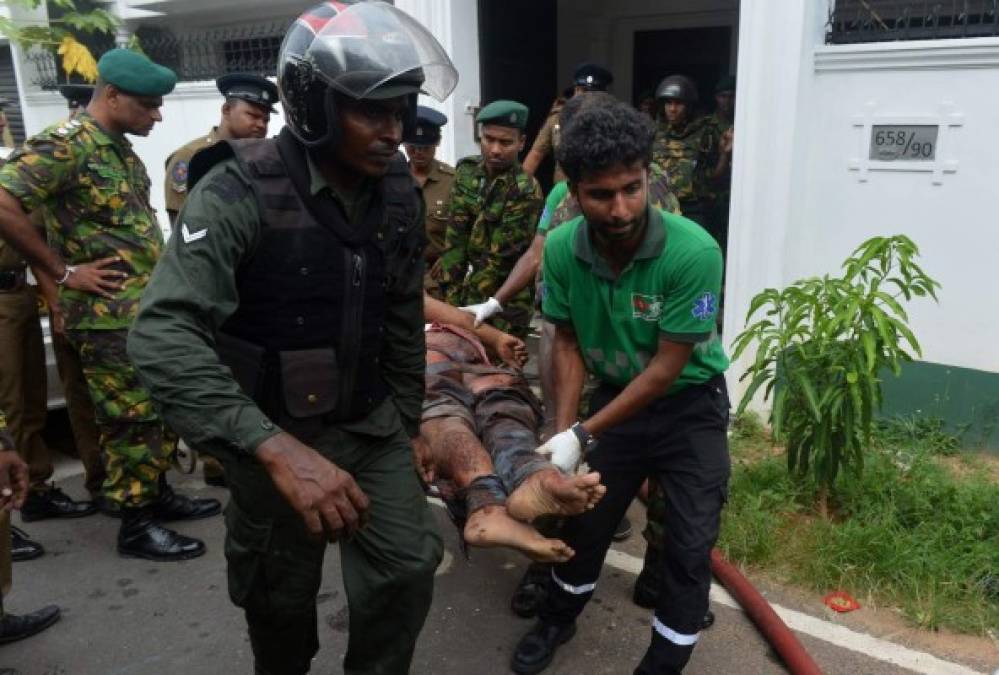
142, 537
708, 620
623, 530
647, 584
537, 649
173, 506
13, 627
107, 507
53, 503
21, 547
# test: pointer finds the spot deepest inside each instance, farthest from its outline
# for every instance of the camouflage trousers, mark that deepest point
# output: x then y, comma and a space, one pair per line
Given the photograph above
137, 445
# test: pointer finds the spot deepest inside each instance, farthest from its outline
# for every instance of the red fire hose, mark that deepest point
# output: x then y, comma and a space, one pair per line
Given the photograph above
759, 610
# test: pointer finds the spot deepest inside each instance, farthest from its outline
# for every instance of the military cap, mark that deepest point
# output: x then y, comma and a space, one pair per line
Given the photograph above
727, 83
592, 76
77, 95
249, 87
135, 74
427, 130
505, 114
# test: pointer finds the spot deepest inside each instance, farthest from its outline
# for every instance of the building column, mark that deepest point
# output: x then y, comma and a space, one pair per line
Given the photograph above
775, 74
456, 26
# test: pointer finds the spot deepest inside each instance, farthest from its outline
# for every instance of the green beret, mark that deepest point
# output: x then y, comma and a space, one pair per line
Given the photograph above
504, 114
134, 73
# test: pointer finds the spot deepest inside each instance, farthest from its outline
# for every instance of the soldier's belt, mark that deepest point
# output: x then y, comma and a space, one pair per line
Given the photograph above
13, 279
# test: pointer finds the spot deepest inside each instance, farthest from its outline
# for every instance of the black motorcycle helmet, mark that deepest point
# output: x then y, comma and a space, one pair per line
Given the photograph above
678, 87
365, 50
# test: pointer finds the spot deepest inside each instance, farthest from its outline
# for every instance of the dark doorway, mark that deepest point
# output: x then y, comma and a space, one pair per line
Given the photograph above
703, 54
517, 59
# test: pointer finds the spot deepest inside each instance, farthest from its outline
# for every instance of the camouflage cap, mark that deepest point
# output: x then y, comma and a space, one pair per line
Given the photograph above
505, 114
134, 73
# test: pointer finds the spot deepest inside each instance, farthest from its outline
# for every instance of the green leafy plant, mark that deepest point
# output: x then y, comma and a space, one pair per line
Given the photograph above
821, 345
62, 34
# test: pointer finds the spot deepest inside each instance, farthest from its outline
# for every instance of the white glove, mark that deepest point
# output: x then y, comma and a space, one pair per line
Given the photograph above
483, 310
565, 451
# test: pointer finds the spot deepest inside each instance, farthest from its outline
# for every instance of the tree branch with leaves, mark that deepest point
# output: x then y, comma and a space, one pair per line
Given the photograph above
821, 346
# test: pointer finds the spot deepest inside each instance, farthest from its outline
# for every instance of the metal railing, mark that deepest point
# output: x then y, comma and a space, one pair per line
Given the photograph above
194, 55
853, 21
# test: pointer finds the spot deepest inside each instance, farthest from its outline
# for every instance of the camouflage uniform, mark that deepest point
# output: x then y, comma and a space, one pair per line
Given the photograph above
95, 191
686, 156
491, 225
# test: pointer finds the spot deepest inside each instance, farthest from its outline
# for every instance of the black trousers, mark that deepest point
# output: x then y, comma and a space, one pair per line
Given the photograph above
681, 441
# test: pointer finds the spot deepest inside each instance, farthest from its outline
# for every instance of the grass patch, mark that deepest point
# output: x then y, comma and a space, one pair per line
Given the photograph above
909, 533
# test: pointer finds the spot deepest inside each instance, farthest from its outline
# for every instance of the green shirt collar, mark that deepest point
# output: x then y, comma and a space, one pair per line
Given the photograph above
316, 180
652, 245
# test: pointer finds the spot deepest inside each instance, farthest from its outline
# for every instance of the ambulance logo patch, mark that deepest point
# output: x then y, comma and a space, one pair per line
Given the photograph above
646, 307
705, 306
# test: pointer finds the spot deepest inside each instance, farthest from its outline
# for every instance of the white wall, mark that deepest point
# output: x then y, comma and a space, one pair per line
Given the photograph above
798, 204
455, 24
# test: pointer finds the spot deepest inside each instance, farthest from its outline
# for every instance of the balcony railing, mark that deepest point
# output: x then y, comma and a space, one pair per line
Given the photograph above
852, 21
195, 55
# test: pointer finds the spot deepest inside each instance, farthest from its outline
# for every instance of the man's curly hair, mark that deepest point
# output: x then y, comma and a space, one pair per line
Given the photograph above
601, 134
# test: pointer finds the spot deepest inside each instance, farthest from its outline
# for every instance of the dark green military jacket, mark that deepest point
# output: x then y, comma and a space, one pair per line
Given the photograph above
492, 222
95, 194
194, 290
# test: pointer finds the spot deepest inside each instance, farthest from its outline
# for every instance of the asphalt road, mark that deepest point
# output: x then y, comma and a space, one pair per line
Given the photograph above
124, 616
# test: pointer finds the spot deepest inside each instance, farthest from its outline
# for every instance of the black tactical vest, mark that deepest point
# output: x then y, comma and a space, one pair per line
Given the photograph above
316, 283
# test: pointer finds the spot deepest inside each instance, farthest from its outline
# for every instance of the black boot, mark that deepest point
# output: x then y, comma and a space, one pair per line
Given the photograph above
53, 503
13, 627
173, 506
647, 584
140, 536
531, 591
536, 650
21, 547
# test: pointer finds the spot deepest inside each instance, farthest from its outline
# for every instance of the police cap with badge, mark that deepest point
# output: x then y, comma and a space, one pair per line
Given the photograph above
504, 114
592, 77
250, 88
427, 130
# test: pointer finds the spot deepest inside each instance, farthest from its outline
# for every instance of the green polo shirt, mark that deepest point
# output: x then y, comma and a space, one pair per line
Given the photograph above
555, 198
669, 291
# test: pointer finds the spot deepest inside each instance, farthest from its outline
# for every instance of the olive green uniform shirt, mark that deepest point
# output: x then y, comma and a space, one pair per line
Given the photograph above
193, 292
177, 166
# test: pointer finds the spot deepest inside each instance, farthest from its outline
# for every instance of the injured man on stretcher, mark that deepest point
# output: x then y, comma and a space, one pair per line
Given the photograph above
478, 437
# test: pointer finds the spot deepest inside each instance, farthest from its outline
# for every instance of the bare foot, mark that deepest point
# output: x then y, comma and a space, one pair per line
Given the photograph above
491, 526
550, 492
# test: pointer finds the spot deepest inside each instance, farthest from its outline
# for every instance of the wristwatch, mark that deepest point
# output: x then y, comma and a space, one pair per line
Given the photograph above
586, 440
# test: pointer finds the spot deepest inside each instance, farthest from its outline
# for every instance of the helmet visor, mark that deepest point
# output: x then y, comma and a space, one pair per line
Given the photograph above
371, 46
